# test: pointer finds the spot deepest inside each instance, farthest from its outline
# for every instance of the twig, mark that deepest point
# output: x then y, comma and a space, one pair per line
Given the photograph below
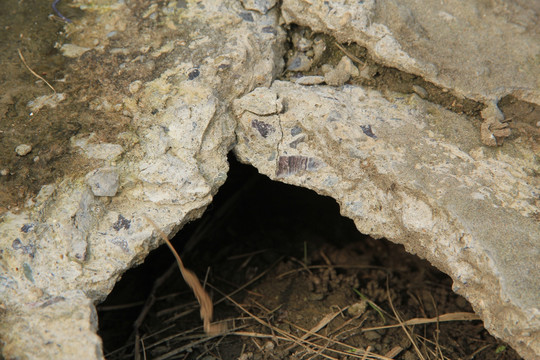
418, 352
394, 352
33, 72
351, 56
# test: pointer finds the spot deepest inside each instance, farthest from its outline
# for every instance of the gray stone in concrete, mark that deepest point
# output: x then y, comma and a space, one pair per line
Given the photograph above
103, 182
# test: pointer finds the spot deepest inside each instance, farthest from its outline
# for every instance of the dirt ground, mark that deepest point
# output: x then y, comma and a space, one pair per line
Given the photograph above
280, 261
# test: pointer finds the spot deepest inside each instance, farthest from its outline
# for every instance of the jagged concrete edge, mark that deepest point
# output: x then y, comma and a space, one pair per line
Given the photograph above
352, 22
68, 210
521, 322
471, 77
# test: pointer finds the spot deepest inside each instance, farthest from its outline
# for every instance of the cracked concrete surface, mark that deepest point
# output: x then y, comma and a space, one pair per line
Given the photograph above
455, 45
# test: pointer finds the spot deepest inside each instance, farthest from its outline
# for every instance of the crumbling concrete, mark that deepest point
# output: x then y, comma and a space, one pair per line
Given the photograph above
64, 251
401, 167
410, 171
482, 50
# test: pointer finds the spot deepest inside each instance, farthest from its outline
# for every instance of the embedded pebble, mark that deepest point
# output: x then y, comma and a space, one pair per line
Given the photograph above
367, 72
326, 68
102, 151
46, 100
342, 72
261, 6
420, 91
310, 80
103, 182
4, 172
319, 46
304, 44
23, 149
372, 335
299, 62
135, 86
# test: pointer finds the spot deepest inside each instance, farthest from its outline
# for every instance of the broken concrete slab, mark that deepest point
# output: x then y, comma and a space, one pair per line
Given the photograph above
170, 72
455, 45
417, 174
64, 251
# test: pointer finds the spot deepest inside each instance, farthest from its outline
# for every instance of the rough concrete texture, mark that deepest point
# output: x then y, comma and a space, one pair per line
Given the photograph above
482, 50
67, 248
401, 167
415, 173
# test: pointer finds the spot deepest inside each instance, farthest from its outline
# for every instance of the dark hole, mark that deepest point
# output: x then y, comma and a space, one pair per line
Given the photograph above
255, 225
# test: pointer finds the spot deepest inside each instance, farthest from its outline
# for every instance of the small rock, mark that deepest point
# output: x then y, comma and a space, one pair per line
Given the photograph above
299, 62
23, 149
103, 182
326, 68
367, 72
72, 50
357, 309
347, 65
246, 356
310, 80
319, 46
342, 73
93, 150
261, 6
372, 335
4, 172
420, 91
46, 100
304, 44
135, 86
493, 130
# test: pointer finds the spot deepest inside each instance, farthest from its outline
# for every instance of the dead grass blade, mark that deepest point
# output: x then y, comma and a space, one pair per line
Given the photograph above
256, 278
181, 349
314, 267
394, 352
351, 56
307, 345
324, 321
368, 349
411, 339
191, 279
33, 72
457, 316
